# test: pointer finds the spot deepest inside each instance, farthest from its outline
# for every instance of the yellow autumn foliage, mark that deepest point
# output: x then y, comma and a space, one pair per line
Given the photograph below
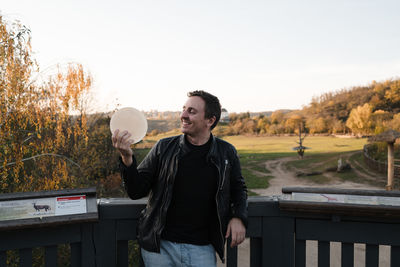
38, 136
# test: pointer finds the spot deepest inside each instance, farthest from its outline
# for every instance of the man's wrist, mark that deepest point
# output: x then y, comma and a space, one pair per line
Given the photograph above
127, 160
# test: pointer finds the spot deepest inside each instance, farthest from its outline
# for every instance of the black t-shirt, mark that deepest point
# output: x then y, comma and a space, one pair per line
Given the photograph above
192, 211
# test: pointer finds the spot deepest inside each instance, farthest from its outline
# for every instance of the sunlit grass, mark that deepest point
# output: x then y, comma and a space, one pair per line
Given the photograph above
162, 135
254, 152
284, 144
255, 181
309, 159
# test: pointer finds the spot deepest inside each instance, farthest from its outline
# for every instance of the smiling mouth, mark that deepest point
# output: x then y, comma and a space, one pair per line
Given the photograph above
186, 123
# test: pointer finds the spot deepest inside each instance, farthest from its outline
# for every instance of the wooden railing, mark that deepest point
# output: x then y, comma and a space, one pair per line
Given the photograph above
279, 231
379, 166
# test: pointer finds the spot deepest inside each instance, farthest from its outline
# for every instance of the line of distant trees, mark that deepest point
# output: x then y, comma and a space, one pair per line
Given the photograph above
364, 110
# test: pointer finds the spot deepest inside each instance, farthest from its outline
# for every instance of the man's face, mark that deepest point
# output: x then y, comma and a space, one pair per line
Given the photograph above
193, 121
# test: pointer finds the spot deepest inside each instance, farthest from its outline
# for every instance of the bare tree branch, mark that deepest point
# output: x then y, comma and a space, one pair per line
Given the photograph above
41, 155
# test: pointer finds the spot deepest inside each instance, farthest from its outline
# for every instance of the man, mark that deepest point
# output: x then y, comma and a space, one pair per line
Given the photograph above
197, 195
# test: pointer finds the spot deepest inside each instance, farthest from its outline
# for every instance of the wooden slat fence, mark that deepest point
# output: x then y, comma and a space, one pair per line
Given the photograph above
278, 236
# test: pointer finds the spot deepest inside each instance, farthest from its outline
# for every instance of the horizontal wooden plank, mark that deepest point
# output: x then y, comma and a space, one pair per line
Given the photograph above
120, 208
330, 190
263, 206
342, 209
39, 237
348, 232
49, 221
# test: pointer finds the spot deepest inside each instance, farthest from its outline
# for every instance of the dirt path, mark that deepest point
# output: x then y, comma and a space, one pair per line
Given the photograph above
284, 177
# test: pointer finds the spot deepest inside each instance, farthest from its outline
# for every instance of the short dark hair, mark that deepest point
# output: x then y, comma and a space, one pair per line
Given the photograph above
212, 107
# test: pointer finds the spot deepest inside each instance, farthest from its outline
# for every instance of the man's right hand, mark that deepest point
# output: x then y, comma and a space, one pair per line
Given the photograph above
123, 144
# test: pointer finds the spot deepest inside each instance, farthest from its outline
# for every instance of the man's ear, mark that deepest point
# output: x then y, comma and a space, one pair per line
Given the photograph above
211, 121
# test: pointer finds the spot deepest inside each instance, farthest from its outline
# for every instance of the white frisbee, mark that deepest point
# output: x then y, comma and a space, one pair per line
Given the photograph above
131, 120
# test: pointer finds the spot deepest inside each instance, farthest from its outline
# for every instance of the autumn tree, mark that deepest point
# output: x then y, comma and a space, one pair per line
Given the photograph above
277, 117
294, 124
262, 124
316, 125
359, 120
249, 126
39, 139
392, 94
380, 120
338, 126
395, 122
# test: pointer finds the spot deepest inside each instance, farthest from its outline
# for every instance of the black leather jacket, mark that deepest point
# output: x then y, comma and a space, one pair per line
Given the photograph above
155, 177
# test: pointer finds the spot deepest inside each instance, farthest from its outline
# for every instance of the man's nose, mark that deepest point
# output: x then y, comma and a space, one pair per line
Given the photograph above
184, 114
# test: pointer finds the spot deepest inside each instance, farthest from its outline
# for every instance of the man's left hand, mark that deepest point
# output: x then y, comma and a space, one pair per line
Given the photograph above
237, 231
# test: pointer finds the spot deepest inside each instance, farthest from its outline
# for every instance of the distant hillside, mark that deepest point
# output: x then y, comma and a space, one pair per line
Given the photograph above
383, 96
361, 110
162, 125
269, 113
162, 115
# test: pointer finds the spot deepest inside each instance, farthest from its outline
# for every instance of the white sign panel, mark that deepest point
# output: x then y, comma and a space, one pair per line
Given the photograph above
71, 205
42, 207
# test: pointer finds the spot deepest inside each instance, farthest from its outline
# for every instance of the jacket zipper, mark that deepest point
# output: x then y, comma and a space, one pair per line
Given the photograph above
216, 202
159, 230
223, 175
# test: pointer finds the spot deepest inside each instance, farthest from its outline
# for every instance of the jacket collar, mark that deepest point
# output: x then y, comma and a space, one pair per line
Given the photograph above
213, 149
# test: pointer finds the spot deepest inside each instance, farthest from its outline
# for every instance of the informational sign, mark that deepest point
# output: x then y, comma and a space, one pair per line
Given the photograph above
42, 207
45, 208
344, 199
70, 205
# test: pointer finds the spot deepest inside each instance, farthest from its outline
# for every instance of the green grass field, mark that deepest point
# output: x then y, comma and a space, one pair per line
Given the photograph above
284, 144
323, 153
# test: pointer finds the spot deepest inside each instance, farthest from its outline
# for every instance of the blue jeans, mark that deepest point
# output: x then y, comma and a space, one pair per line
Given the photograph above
180, 255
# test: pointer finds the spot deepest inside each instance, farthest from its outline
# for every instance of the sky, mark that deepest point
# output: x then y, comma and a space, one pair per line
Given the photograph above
253, 55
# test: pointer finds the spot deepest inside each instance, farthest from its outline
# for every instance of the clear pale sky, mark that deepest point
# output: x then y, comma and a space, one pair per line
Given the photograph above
254, 55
